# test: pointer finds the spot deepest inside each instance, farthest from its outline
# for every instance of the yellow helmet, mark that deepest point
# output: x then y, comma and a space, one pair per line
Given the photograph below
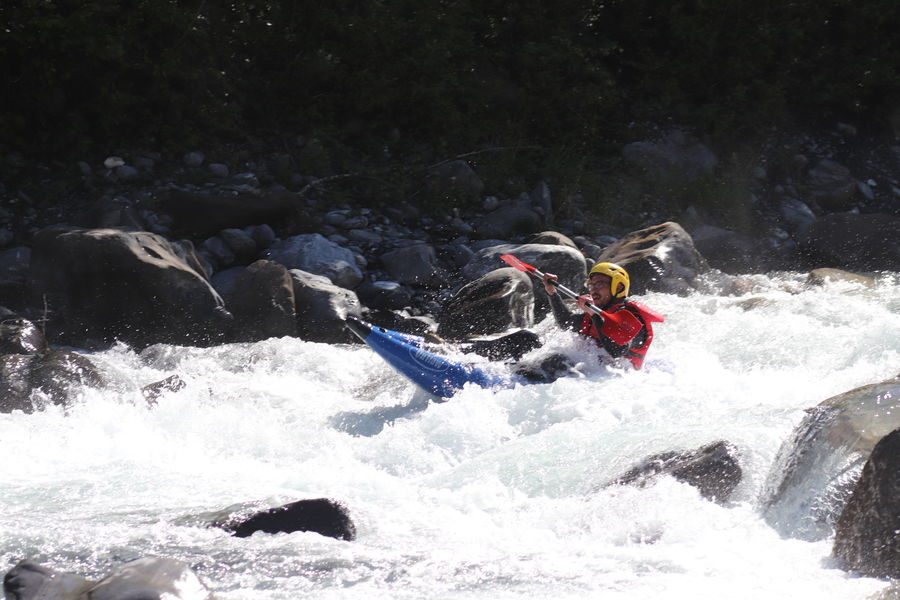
619, 280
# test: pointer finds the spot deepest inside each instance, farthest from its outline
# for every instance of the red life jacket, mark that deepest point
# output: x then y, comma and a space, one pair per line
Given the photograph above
621, 328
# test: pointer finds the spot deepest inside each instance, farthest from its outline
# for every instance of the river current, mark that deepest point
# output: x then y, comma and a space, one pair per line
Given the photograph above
494, 494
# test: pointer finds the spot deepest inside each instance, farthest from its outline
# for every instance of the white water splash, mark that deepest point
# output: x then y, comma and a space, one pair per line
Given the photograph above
489, 495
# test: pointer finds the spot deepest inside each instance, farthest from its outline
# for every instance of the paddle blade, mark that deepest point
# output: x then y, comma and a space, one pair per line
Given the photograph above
620, 326
515, 263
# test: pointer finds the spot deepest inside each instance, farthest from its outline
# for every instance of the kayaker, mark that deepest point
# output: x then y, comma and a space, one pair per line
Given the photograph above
619, 335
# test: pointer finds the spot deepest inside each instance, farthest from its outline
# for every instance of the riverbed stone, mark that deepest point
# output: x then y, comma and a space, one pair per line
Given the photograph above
493, 303
262, 302
321, 308
314, 253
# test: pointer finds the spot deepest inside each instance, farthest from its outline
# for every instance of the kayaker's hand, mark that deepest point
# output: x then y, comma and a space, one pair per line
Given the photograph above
549, 287
583, 301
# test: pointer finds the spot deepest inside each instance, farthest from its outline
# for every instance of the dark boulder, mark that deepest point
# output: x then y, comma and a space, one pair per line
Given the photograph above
153, 391
661, 258
319, 515
508, 221
103, 285
55, 374
205, 211
501, 299
20, 336
713, 469
415, 265
552, 238
262, 302
867, 536
321, 308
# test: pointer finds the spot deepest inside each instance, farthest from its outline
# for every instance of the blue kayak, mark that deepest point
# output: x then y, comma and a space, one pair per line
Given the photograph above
432, 372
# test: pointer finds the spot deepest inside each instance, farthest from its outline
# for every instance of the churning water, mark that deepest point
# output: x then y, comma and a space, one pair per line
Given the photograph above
494, 494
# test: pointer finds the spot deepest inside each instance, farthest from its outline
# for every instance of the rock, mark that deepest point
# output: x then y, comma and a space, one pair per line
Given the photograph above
823, 276
149, 578
152, 391
362, 236
223, 281
490, 203
713, 469
816, 468
414, 265
219, 170
508, 221
832, 186
867, 242
866, 537
552, 238
542, 201
321, 308
106, 285
55, 373
240, 243
661, 258
798, 217
319, 515
194, 159
315, 254
262, 235
127, 172
112, 162
220, 254
729, 251
200, 212
454, 183
262, 302
676, 159
20, 336
384, 295
493, 303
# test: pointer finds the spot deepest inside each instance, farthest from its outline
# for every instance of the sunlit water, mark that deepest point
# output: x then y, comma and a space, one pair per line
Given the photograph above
494, 494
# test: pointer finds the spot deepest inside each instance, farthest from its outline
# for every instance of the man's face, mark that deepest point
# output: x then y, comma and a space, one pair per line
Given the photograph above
598, 288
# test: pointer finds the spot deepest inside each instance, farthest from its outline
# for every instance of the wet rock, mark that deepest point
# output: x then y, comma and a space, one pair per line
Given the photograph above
240, 243
713, 469
55, 374
151, 578
823, 276
552, 238
321, 308
866, 242
152, 391
262, 302
832, 186
493, 303
262, 235
384, 295
205, 211
508, 221
20, 336
661, 258
194, 159
729, 251
455, 183
866, 537
314, 253
817, 467
319, 515
798, 216
106, 285
414, 265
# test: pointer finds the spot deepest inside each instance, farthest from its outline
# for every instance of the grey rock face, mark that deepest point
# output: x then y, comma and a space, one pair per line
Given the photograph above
491, 304
314, 253
321, 308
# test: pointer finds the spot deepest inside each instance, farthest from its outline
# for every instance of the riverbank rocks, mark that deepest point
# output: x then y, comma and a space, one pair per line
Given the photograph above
415, 265
866, 242
103, 285
510, 220
203, 211
713, 469
729, 251
817, 467
29, 382
867, 536
20, 336
319, 515
262, 302
321, 308
313, 253
493, 303
151, 578
675, 159
661, 258
831, 185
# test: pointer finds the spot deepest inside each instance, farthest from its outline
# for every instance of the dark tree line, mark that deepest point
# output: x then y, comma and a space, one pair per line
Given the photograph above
91, 75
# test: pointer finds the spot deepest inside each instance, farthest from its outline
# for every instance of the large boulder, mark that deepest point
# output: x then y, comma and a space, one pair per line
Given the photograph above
320, 515
20, 336
867, 242
321, 308
28, 380
103, 285
262, 302
713, 469
491, 304
316, 254
814, 473
867, 536
729, 251
564, 261
414, 265
832, 186
508, 221
454, 183
151, 578
660, 258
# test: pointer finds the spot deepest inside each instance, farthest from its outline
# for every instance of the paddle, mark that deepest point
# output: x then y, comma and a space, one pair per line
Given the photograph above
619, 325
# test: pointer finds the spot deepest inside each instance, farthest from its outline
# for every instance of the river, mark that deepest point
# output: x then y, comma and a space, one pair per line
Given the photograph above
494, 494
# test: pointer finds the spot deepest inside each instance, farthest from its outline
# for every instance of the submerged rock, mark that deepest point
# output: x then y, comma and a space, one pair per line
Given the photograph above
713, 469
814, 473
319, 515
151, 578
55, 373
867, 536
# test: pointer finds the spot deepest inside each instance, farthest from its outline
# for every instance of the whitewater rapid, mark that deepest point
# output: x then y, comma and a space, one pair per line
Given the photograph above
493, 494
